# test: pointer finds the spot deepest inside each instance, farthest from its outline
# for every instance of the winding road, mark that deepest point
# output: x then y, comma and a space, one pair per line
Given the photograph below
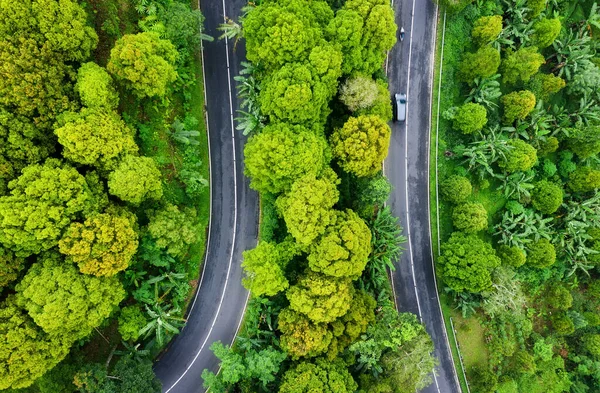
219, 303
410, 70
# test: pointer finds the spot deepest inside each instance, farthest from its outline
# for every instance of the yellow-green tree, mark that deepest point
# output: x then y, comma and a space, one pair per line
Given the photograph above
321, 298
486, 29
301, 337
470, 217
64, 302
481, 64
517, 105
361, 145
26, 352
545, 32
42, 203
136, 179
307, 207
470, 117
323, 376
10, 266
131, 321
103, 245
144, 62
521, 65
95, 87
521, 157
343, 249
583, 179
264, 266
282, 154
96, 137
173, 230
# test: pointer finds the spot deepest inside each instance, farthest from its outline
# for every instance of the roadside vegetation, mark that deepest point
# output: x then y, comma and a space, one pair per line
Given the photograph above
103, 189
321, 317
519, 137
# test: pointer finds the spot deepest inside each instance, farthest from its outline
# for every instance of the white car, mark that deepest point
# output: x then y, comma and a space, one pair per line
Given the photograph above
400, 107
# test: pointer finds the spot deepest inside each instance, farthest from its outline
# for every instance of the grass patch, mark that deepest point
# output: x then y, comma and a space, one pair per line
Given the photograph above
471, 339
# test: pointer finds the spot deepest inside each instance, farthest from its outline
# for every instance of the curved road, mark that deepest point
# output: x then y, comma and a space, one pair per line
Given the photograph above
410, 70
219, 305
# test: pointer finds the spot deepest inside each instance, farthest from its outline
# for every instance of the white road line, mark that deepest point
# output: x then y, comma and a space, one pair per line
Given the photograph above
234, 212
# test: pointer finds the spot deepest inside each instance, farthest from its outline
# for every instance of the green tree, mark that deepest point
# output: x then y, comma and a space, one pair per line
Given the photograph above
144, 63
344, 247
183, 26
558, 297
103, 245
136, 179
482, 380
467, 262
370, 194
584, 141
173, 230
322, 376
361, 145
541, 253
307, 207
545, 32
582, 179
521, 65
129, 375
282, 154
95, 87
562, 323
10, 266
131, 321
26, 352
358, 92
64, 302
486, 29
481, 64
302, 337
517, 105
521, 157
346, 30
321, 298
591, 343
470, 217
42, 203
469, 118
456, 189
96, 137
545, 85
547, 197
511, 256
265, 265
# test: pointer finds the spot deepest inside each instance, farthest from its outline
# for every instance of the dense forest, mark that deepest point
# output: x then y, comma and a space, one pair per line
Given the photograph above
316, 105
103, 190
519, 174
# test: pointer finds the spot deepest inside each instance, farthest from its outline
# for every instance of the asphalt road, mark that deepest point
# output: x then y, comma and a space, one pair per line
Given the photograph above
410, 70
220, 301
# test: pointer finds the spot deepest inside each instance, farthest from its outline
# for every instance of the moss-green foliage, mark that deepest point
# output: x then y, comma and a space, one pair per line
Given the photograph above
470, 217
321, 298
548, 146
545, 32
26, 352
562, 323
591, 343
470, 117
487, 29
482, 380
584, 141
521, 157
95, 87
42, 203
547, 197
511, 256
282, 154
265, 265
361, 145
131, 321
541, 253
173, 230
64, 302
481, 64
517, 105
135, 180
456, 189
344, 247
103, 245
558, 297
319, 376
307, 207
544, 86
144, 63
536, 7
521, 65
466, 263
96, 137
584, 179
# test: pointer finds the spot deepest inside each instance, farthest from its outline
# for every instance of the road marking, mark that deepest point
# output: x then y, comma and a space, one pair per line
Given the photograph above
234, 208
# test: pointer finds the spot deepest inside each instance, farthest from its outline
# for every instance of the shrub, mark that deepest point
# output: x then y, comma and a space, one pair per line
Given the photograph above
470, 217
486, 29
541, 253
470, 117
517, 105
545, 32
131, 321
584, 179
584, 141
548, 146
547, 197
521, 157
545, 85
549, 168
536, 7
559, 297
456, 189
511, 256
482, 380
521, 65
481, 64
